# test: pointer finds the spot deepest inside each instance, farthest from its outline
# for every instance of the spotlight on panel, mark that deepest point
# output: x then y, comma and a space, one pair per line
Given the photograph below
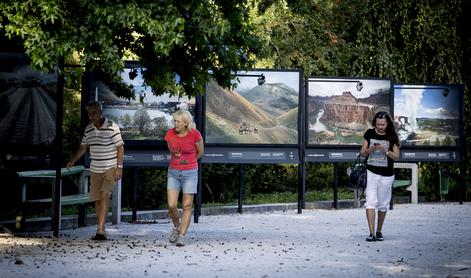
132, 73
261, 80
445, 92
359, 85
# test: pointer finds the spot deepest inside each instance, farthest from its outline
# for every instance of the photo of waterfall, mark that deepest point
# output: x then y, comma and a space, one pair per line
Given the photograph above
427, 115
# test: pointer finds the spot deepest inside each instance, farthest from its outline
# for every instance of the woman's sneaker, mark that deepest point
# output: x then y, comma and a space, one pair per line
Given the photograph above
180, 240
371, 238
172, 238
379, 236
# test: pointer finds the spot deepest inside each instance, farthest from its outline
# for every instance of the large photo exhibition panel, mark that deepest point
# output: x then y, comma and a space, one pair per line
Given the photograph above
144, 119
28, 104
406, 155
263, 109
340, 110
428, 115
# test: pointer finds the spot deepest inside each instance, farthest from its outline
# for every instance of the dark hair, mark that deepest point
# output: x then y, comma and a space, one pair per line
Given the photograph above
391, 133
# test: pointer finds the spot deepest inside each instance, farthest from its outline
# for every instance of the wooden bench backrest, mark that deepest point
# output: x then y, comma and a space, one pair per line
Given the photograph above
74, 170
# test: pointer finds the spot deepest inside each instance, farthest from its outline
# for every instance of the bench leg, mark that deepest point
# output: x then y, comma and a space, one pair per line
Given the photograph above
116, 204
20, 224
82, 215
20, 219
356, 199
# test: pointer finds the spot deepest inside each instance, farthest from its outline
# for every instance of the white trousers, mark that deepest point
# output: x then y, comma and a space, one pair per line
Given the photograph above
378, 191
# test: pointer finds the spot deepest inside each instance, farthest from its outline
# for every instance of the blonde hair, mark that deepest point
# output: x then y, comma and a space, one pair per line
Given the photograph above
186, 116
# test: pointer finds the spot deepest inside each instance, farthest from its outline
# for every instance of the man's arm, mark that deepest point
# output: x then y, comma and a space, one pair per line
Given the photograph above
118, 172
120, 154
78, 154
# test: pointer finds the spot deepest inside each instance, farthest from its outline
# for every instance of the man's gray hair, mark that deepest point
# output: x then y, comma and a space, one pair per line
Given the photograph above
94, 103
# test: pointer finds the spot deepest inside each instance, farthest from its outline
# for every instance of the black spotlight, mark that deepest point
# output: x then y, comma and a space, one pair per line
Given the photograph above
261, 80
132, 73
445, 92
359, 86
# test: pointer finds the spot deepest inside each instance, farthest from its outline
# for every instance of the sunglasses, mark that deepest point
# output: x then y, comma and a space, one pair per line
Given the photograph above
382, 115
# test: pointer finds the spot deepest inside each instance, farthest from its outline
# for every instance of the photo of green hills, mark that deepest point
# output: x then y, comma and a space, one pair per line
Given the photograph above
253, 113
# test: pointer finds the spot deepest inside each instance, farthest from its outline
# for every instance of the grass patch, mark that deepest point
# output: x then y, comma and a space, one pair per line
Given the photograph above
286, 197
253, 199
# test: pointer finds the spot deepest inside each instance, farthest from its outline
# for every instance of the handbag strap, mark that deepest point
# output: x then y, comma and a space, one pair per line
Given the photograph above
359, 160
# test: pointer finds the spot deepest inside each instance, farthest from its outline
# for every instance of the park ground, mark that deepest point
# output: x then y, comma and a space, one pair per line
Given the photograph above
424, 240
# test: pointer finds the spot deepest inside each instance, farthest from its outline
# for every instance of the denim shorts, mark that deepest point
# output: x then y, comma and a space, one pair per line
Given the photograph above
183, 180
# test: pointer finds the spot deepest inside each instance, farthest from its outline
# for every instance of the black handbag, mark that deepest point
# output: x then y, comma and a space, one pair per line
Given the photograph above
357, 177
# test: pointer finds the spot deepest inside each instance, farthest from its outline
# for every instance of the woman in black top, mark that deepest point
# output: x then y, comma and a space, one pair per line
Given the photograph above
381, 146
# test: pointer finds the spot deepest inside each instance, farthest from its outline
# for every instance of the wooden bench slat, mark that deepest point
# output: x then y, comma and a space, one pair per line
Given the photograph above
65, 200
74, 170
399, 183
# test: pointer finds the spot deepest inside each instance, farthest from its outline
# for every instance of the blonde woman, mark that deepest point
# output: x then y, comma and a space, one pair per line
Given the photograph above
186, 147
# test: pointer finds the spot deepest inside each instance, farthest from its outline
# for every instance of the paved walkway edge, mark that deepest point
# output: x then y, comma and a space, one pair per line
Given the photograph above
71, 221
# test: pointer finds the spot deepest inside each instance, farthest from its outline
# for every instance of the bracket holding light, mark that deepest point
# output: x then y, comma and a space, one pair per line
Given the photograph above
359, 84
260, 80
445, 90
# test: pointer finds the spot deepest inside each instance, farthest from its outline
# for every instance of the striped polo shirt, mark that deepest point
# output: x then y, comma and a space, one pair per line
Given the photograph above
103, 143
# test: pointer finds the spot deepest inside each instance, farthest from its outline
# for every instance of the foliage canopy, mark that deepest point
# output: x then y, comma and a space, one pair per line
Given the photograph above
182, 44
410, 41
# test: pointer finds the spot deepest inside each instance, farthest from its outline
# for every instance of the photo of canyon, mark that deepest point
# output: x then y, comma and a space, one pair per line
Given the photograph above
339, 111
427, 115
254, 113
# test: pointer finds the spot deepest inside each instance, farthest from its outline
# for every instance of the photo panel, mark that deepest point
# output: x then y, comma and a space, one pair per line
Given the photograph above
146, 118
340, 110
428, 115
263, 109
28, 104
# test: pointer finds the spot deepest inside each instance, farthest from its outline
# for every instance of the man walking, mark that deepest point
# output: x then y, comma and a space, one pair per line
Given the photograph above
103, 138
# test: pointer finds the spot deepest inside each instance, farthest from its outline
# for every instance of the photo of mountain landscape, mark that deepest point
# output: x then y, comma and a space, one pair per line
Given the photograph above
427, 115
254, 113
339, 111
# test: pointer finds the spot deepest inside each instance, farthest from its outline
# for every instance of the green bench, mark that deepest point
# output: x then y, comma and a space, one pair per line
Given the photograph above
65, 200
79, 176
412, 183
401, 183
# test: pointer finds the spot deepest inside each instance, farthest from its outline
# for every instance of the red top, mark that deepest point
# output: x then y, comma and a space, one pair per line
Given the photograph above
183, 149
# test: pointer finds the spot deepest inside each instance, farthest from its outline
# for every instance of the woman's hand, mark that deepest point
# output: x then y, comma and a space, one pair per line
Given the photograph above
378, 147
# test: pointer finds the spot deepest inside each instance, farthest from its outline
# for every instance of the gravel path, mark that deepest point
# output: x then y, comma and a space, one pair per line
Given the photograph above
425, 240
